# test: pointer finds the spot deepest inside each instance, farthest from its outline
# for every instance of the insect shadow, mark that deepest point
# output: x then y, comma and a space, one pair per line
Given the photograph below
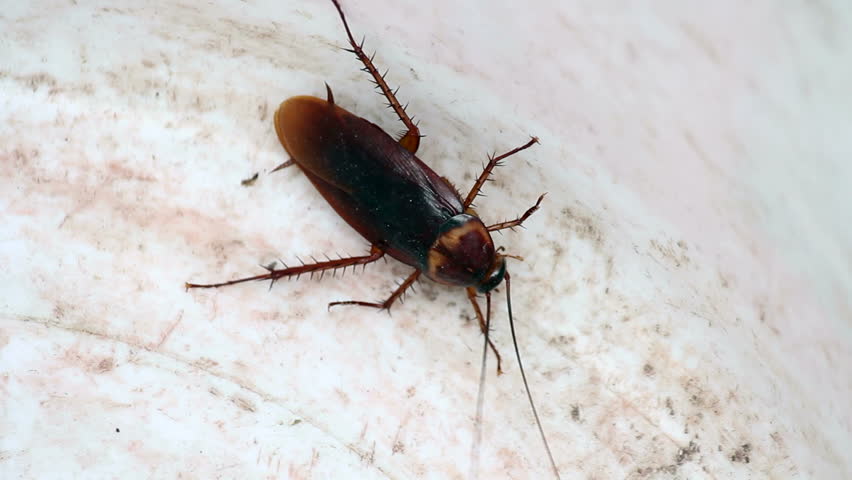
376, 183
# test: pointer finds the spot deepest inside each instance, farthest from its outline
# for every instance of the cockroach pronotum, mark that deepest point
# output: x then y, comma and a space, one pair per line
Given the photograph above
400, 205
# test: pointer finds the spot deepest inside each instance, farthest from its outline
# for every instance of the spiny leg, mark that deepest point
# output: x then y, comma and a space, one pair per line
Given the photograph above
486, 172
304, 268
284, 165
387, 303
411, 140
471, 295
518, 221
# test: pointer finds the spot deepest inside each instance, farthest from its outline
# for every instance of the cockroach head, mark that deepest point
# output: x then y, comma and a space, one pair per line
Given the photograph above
494, 276
463, 254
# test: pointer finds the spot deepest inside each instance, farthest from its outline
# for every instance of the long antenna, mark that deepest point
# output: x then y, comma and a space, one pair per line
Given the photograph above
524, 377
480, 395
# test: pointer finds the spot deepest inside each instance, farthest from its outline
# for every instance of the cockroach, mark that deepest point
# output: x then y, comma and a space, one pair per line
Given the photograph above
400, 205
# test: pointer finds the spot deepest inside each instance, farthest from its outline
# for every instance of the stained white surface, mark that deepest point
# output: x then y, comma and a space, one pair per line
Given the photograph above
683, 307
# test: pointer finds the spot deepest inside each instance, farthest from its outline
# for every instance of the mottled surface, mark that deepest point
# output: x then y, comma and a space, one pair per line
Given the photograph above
683, 308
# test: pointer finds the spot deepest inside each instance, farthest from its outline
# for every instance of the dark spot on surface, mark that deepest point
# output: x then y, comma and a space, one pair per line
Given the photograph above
205, 363
117, 430
575, 413
105, 365
670, 252
670, 406
36, 80
648, 370
650, 471
683, 455
776, 437
247, 182
687, 453
741, 455
584, 226
557, 250
263, 111
561, 340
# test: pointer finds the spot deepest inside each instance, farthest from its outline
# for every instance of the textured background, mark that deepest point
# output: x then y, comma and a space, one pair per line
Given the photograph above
683, 308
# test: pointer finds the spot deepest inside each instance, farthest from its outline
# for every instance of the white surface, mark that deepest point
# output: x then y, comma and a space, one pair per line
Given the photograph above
683, 308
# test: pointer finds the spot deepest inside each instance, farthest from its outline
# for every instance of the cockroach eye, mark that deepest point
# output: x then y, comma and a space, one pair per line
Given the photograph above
494, 276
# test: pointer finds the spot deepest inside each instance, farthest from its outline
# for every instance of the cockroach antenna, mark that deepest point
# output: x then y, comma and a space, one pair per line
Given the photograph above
480, 394
506, 279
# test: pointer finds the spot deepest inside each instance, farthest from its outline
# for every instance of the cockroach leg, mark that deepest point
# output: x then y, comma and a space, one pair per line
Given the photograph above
518, 221
471, 295
411, 140
305, 268
486, 172
386, 305
283, 165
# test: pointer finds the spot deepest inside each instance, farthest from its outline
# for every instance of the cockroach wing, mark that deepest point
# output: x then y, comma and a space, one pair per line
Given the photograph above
381, 189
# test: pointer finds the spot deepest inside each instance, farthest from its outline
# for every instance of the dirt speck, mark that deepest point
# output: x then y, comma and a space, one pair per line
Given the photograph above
687, 453
575, 413
741, 454
105, 365
247, 182
263, 111
670, 406
585, 227
671, 253
562, 340
205, 363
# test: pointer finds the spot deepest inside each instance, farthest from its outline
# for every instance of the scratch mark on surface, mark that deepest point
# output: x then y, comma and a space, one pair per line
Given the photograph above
166, 334
48, 322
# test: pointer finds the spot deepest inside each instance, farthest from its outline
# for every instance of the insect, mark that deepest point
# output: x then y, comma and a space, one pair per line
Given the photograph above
402, 207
